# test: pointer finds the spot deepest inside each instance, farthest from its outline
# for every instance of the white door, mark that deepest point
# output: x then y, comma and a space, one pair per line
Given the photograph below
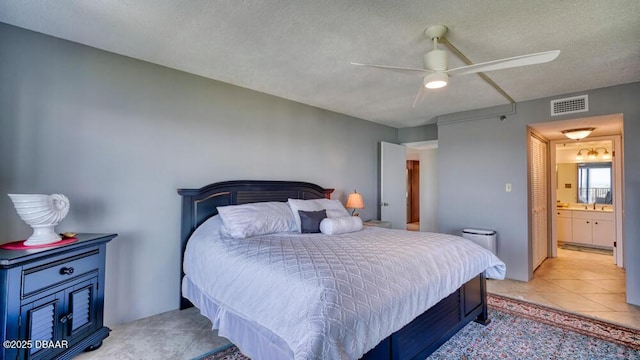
393, 184
538, 199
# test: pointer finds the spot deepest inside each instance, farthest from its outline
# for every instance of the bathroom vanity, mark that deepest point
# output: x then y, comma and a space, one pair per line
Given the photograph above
586, 227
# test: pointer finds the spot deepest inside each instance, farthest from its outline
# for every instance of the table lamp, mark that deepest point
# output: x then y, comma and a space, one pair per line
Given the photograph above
355, 202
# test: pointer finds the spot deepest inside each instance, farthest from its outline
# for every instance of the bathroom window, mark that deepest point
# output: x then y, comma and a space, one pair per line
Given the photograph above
594, 183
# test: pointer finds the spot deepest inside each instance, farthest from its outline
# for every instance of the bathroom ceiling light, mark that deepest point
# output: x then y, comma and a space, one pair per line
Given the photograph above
577, 134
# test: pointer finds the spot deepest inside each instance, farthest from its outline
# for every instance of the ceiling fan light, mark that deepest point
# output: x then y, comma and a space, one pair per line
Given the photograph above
436, 80
577, 134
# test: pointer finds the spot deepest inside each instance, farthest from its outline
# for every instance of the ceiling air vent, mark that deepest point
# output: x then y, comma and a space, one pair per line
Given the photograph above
570, 105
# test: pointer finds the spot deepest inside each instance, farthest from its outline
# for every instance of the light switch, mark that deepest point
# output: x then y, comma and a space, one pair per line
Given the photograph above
507, 187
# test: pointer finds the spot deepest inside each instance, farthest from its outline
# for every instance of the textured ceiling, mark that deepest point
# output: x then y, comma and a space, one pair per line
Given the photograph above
300, 50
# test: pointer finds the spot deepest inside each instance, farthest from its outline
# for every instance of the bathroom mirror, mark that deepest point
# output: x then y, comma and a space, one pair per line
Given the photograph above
584, 173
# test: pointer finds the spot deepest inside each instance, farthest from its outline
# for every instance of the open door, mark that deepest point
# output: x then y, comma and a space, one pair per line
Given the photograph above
393, 185
538, 199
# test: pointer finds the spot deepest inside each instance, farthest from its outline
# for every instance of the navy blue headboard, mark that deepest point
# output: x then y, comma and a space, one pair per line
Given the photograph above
200, 204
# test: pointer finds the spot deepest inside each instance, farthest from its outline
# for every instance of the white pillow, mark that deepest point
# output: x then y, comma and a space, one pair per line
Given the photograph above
242, 221
340, 225
334, 208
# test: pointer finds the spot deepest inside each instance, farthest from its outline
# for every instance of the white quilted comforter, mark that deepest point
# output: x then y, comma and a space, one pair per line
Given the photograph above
333, 297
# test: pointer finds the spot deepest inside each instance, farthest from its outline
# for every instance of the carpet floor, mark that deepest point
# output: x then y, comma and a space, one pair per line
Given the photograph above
521, 330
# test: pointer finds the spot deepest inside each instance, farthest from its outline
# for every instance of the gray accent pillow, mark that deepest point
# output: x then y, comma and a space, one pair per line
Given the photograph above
310, 220
334, 208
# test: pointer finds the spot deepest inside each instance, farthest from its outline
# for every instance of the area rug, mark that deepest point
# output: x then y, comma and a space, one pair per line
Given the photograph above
521, 330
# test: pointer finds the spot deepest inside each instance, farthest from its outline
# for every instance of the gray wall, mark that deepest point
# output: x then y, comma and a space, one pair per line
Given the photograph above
118, 137
418, 133
477, 158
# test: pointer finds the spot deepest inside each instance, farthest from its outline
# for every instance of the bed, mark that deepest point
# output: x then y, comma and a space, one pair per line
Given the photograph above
265, 318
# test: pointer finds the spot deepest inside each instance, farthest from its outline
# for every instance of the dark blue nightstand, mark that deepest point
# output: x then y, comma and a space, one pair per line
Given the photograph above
53, 299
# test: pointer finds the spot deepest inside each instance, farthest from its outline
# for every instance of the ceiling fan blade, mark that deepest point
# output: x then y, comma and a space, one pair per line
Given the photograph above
522, 60
419, 96
396, 68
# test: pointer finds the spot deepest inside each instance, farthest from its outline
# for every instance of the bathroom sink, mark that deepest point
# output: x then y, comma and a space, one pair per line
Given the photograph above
598, 208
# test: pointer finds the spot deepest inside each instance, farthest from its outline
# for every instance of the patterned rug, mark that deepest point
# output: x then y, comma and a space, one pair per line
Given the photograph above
521, 330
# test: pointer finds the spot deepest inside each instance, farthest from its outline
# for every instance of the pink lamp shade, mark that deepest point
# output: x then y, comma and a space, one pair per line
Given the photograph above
355, 201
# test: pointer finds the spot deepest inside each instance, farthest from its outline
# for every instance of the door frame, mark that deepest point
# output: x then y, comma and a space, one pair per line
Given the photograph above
428, 182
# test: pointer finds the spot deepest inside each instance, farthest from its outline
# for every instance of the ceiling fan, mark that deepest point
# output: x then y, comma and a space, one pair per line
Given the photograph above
436, 72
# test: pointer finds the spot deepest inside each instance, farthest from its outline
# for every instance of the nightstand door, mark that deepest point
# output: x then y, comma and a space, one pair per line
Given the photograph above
81, 312
39, 322
67, 315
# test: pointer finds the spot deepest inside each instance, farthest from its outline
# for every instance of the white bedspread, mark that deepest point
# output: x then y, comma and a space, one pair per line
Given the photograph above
333, 297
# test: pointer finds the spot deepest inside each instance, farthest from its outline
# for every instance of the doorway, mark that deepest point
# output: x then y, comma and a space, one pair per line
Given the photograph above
394, 184
422, 186
604, 127
588, 195
413, 195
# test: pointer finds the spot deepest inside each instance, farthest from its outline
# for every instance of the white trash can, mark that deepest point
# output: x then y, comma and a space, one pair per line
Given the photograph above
484, 238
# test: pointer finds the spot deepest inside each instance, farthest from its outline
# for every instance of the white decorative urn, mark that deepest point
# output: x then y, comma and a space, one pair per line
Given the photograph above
42, 213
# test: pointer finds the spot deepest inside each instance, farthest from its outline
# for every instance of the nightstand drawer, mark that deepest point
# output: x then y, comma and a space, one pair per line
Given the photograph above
51, 274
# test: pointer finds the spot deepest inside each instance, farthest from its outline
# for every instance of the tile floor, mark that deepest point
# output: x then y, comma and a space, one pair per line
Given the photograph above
580, 282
